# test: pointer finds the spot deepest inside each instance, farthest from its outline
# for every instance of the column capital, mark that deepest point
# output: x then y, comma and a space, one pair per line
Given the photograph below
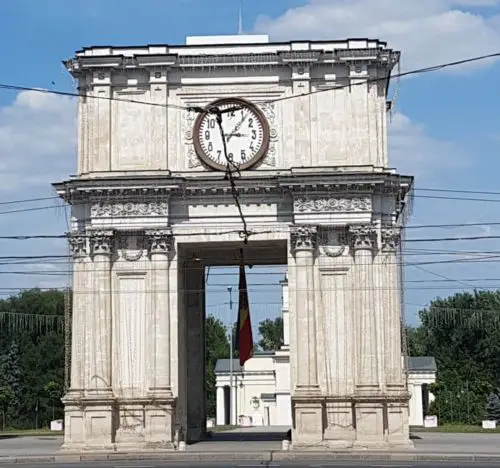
101, 242
362, 236
78, 244
160, 241
303, 237
391, 238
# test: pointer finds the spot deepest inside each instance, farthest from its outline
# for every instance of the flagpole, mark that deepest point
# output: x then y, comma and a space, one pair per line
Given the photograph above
231, 344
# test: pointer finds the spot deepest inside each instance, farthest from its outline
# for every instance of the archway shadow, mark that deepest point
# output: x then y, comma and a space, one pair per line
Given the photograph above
244, 436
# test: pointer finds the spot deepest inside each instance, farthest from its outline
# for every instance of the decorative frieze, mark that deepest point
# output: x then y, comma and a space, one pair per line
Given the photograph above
78, 244
304, 237
329, 204
391, 238
160, 241
362, 236
101, 242
106, 210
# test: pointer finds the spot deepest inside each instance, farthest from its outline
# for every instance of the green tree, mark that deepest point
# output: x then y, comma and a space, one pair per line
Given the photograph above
54, 393
5, 400
216, 347
271, 332
34, 320
462, 332
493, 407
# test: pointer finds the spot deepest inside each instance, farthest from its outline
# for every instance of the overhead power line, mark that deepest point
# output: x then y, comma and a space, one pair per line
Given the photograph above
418, 71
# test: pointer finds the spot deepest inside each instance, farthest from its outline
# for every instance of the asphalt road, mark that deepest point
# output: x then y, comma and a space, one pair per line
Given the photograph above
235, 464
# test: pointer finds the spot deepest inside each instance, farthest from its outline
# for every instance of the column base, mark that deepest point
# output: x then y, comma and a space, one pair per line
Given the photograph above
88, 422
160, 413
307, 415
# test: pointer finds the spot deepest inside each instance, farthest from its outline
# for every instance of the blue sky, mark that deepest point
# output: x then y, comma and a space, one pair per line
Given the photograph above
445, 127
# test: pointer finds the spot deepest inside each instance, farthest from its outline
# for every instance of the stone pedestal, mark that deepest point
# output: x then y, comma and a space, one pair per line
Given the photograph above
160, 431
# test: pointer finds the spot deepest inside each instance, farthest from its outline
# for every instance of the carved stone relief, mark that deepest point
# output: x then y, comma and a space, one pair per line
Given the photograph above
160, 241
187, 132
130, 245
270, 112
391, 238
332, 242
101, 242
363, 236
304, 237
104, 210
78, 244
332, 204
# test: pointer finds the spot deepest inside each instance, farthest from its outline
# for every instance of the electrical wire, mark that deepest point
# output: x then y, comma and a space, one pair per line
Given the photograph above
359, 82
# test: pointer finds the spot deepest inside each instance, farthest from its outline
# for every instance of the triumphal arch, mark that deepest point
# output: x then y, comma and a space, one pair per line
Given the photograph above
304, 129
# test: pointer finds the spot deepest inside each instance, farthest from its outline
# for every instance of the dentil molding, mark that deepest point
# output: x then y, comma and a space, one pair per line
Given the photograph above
304, 237
305, 204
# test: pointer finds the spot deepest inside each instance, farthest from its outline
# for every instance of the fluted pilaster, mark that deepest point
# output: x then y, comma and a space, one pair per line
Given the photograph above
363, 242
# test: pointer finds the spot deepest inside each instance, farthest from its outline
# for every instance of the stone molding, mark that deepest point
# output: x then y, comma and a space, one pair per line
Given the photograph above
110, 209
304, 237
362, 236
311, 204
391, 238
101, 242
160, 241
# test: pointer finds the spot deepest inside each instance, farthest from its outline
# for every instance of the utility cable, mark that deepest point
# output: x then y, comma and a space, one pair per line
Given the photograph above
284, 98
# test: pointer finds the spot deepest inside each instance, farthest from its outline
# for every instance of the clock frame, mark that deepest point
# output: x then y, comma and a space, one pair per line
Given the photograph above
237, 102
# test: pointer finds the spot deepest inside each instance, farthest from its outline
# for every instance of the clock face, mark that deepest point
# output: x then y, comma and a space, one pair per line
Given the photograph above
246, 133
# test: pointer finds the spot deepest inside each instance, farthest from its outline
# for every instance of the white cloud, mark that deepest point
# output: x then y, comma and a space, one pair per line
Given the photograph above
412, 151
37, 140
428, 32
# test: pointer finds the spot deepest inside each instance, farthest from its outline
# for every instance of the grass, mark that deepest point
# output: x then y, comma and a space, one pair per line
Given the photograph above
29, 432
456, 428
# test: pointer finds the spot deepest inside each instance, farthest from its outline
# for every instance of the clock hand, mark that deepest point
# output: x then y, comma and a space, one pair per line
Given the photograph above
238, 125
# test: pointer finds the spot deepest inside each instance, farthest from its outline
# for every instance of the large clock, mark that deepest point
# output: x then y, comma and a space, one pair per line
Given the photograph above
246, 131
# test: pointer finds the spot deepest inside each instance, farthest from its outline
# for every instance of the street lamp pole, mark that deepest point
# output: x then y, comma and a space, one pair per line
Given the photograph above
231, 343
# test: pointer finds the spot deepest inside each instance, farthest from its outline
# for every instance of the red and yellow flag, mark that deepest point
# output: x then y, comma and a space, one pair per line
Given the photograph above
244, 338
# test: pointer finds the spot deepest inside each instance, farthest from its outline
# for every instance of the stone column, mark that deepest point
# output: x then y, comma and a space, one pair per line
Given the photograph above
101, 249
160, 246
304, 244
79, 248
363, 240
74, 435
391, 238
307, 400
286, 314
160, 414
220, 419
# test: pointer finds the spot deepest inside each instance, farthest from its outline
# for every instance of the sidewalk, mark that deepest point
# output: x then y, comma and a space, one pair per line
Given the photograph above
257, 445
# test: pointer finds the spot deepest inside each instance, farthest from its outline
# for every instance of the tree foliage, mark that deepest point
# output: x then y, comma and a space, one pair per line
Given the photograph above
216, 347
463, 333
493, 407
271, 332
32, 340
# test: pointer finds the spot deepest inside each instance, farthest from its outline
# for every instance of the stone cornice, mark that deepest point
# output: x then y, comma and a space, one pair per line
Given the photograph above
251, 183
263, 55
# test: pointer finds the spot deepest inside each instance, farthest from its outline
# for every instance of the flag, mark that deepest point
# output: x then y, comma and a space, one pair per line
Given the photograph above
244, 339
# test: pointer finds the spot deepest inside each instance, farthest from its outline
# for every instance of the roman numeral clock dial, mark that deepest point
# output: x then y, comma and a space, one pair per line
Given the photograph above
246, 132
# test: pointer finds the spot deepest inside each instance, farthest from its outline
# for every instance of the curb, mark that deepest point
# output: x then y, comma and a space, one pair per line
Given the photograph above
269, 456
